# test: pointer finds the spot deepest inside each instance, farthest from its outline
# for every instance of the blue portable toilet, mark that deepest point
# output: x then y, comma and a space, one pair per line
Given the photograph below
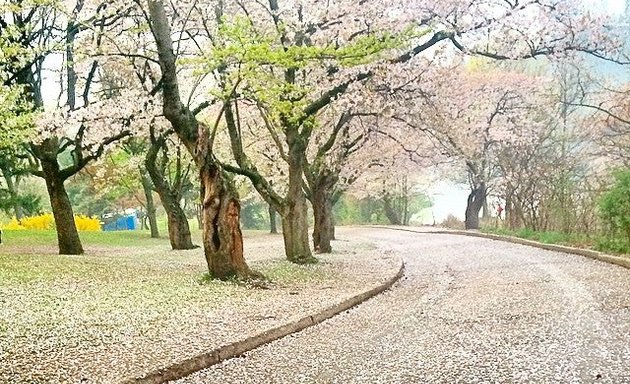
131, 222
127, 222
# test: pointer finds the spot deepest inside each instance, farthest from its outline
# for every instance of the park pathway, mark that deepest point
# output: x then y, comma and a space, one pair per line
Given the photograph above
468, 310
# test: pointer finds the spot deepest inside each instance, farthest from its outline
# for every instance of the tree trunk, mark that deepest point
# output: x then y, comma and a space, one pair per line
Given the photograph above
332, 225
12, 188
294, 211
474, 206
199, 216
178, 228
323, 229
150, 214
295, 231
273, 227
222, 237
405, 209
390, 211
486, 209
67, 234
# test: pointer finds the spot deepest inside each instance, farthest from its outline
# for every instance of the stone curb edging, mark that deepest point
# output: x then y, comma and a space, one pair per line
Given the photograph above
617, 260
189, 366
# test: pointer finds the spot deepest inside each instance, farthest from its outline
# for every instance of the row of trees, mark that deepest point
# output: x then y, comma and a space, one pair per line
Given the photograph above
301, 98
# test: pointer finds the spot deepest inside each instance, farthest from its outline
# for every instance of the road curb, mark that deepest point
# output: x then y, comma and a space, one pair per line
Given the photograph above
186, 367
617, 260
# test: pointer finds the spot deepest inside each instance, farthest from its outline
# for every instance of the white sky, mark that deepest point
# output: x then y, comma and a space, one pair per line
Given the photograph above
612, 6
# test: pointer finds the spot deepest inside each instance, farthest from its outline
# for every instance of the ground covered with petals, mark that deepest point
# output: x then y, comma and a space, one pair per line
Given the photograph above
130, 305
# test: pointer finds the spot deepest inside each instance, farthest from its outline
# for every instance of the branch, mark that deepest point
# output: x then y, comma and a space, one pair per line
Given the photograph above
83, 161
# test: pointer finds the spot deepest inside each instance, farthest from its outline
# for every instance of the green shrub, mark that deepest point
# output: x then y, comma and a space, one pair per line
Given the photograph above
614, 207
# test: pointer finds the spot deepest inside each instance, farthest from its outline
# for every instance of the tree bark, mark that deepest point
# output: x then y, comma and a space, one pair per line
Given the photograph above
390, 211
150, 214
273, 226
323, 229
486, 209
67, 233
222, 237
294, 210
333, 235
178, 228
474, 205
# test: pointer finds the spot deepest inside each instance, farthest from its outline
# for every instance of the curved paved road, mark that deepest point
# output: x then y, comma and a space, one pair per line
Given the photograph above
469, 310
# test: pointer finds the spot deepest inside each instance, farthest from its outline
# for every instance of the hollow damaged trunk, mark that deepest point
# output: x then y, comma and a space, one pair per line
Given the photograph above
222, 237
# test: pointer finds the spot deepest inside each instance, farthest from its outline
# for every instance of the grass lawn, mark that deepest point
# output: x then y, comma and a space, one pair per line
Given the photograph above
127, 291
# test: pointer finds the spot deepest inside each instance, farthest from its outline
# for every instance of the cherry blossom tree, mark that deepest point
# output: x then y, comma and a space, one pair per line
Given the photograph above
16, 123
469, 123
125, 170
290, 61
327, 172
70, 137
222, 237
610, 114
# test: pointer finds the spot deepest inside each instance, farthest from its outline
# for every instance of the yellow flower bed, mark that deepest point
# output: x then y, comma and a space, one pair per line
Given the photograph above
13, 225
43, 221
46, 221
85, 223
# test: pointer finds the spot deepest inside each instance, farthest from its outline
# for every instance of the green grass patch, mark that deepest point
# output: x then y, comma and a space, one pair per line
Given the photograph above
100, 238
285, 272
580, 240
137, 238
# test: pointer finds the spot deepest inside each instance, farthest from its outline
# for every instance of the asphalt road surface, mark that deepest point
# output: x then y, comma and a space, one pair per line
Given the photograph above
468, 310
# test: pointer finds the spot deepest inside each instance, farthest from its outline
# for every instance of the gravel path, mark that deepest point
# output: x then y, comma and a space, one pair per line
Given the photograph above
469, 310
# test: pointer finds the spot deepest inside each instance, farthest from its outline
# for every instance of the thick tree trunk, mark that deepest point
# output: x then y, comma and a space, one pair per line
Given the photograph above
178, 228
150, 215
474, 205
222, 237
390, 211
323, 229
67, 234
294, 211
295, 231
273, 226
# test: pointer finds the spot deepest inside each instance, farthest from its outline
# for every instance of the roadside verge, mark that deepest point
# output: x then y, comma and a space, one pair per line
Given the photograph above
617, 260
188, 366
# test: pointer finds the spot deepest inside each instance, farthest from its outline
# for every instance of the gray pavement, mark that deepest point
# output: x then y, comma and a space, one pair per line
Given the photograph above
468, 310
